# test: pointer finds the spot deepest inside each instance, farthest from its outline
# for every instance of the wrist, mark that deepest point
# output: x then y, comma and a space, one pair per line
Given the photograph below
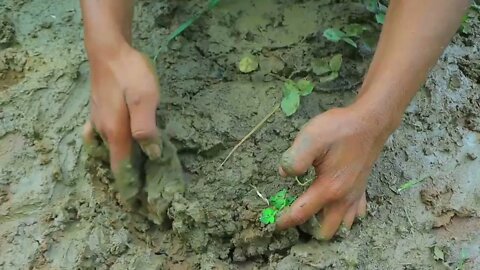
379, 113
103, 48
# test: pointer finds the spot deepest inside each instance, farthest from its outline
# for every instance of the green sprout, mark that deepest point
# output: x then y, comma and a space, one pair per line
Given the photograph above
277, 203
327, 67
346, 34
292, 92
410, 184
378, 9
211, 4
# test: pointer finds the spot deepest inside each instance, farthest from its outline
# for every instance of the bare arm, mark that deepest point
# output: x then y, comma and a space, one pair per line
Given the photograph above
124, 86
414, 35
107, 25
343, 144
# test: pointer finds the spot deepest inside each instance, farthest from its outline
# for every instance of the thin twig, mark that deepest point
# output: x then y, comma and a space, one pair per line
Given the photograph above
260, 195
304, 183
275, 109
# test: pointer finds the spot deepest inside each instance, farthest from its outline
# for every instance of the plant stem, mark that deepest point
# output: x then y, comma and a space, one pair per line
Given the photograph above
257, 127
304, 183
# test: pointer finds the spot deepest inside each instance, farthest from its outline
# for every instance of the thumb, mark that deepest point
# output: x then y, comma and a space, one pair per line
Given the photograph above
307, 147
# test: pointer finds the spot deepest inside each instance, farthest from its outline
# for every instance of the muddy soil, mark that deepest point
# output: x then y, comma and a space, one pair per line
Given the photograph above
59, 209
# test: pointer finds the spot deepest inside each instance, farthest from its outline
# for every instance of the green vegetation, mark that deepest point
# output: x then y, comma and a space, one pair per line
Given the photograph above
378, 9
328, 67
346, 33
211, 4
410, 184
292, 92
277, 203
248, 64
472, 13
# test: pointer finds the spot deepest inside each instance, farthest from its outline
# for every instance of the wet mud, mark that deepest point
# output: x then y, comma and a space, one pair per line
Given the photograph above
60, 208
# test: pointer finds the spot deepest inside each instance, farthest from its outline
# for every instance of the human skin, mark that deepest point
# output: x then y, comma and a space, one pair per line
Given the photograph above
124, 87
342, 144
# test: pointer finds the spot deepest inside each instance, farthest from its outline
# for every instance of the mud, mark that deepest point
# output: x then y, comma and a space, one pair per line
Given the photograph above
60, 210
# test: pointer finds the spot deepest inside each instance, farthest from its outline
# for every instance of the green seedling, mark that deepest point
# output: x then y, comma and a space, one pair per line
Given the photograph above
336, 35
292, 92
345, 34
378, 9
328, 68
277, 203
410, 184
211, 4
472, 13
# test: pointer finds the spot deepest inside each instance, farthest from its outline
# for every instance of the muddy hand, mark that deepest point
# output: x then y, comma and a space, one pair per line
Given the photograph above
124, 97
342, 146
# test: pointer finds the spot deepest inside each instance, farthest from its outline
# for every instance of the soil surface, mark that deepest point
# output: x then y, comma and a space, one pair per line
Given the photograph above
59, 208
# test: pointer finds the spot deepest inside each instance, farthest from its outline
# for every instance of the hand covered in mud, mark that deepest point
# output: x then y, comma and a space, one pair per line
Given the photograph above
124, 97
342, 145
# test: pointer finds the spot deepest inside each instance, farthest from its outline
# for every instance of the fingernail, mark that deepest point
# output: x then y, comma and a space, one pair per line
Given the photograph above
362, 218
287, 161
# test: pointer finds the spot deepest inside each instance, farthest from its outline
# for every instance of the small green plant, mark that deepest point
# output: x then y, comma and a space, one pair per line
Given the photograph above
327, 67
277, 203
292, 92
345, 34
378, 9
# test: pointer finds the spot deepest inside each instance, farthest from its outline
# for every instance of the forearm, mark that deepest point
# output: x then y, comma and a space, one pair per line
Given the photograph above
107, 26
413, 37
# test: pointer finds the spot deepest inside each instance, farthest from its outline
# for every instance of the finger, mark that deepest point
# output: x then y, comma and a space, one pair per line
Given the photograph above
350, 216
362, 206
119, 140
307, 205
333, 217
142, 108
306, 148
88, 133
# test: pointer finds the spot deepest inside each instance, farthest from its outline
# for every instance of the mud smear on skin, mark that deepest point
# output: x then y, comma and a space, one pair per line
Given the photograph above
60, 213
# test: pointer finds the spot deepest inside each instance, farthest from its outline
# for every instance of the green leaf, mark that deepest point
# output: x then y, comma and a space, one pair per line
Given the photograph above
410, 184
320, 66
268, 216
382, 8
305, 87
333, 34
213, 3
438, 254
336, 62
372, 5
278, 201
290, 103
181, 28
290, 200
354, 30
350, 41
289, 86
330, 77
380, 17
248, 64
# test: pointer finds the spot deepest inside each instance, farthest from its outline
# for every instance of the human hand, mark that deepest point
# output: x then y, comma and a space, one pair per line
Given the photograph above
124, 97
342, 145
